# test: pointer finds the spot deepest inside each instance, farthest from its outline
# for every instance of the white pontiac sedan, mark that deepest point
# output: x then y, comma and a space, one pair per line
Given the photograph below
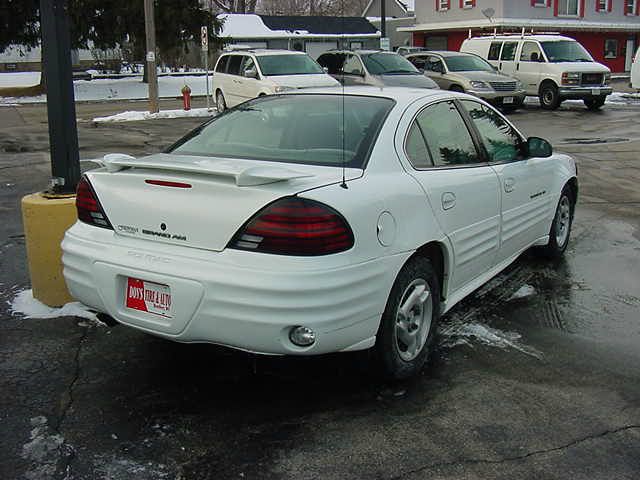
317, 222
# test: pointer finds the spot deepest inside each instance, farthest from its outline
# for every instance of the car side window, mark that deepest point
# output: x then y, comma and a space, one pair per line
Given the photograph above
221, 67
502, 142
416, 148
353, 66
434, 64
447, 137
509, 51
332, 62
247, 64
234, 64
530, 52
419, 62
494, 50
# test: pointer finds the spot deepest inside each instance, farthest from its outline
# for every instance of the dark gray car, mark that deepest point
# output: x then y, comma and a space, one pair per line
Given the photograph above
373, 67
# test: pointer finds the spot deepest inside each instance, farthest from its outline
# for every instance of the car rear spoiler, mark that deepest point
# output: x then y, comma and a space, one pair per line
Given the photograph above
244, 175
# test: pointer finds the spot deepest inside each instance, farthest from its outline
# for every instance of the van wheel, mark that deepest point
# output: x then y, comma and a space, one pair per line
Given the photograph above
456, 88
408, 327
594, 103
221, 104
549, 96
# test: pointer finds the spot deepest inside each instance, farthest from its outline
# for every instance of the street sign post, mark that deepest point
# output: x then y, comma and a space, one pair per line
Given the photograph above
152, 72
204, 41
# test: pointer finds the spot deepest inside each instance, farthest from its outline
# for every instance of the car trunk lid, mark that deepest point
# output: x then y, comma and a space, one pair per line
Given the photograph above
199, 202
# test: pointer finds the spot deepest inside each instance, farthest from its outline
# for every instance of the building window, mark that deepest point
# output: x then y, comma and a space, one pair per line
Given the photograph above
601, 5
631, 7
539, 3
442, 5
611, 48
467, 3
568, 8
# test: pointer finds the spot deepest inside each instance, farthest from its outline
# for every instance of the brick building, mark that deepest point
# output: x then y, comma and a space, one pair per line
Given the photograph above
609, 29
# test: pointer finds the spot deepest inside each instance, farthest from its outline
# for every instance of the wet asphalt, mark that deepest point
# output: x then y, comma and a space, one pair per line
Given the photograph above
536, 376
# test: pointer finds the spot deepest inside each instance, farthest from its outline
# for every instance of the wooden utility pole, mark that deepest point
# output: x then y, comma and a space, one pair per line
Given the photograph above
152, 72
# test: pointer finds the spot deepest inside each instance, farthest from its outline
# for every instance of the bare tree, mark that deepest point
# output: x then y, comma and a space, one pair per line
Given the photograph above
234, 6
312, 7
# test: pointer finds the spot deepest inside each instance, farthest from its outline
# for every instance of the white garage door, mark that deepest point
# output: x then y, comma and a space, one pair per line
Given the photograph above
315, 49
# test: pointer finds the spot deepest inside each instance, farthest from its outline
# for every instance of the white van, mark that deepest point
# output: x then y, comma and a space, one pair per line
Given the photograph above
635, 71
242, 75
551, 67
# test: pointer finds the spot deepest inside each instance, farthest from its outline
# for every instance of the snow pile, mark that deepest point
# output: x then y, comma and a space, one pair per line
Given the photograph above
135, 116
130, 88
460, 333
24, 304
523, 291
19, 79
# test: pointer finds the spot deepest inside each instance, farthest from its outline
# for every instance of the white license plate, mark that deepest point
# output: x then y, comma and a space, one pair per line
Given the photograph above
148, 297
507, 100
595, 91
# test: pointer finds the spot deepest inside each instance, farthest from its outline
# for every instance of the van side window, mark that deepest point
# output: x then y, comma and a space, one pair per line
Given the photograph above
221, 67
494, 50
234, 64
509, 51
530, 52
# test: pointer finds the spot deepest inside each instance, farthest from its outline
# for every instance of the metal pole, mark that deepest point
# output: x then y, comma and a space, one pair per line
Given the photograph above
383, 18
152, 72
206, 68
61, 111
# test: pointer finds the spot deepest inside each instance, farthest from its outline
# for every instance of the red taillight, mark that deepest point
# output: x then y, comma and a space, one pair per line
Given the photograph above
295, 226
89, 209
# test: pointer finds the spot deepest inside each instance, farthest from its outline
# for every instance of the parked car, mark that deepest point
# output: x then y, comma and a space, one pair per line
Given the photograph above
243, 75
464, 72
404, 51
317, 222
635, 71
373, 67
551, 67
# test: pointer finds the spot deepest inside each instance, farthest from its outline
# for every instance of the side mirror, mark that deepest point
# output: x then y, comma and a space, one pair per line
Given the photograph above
251, 73
539, 147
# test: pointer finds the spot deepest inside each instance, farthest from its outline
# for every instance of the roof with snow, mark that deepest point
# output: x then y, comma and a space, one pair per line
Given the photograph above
249, 26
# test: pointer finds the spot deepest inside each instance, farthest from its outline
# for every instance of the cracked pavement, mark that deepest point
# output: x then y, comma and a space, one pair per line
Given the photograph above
555, 395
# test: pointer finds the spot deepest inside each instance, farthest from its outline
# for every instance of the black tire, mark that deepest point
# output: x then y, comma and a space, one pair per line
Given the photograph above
549, 96
594, 103
388, 349
456, 88
221, 103
558, 239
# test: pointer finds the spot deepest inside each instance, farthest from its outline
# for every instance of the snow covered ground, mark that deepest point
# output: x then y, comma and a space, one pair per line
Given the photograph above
130, 88
24, 304
19, 79
135, 116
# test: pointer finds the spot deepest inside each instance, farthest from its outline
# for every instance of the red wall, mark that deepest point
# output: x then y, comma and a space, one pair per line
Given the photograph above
592, 41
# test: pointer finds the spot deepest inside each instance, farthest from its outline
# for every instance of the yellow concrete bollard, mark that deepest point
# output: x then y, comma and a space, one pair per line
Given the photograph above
46, 217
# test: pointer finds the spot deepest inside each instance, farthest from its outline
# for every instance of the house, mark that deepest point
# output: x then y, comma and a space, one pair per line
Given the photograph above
312, 34
398, 14
609, 29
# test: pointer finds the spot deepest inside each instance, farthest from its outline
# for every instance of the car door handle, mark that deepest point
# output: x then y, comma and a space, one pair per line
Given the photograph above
509, 184
448, 200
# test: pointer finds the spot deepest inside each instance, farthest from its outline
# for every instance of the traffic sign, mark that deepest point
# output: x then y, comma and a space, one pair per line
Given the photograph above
204, 39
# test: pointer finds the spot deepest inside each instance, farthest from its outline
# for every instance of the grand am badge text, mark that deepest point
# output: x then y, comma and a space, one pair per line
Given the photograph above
171, 236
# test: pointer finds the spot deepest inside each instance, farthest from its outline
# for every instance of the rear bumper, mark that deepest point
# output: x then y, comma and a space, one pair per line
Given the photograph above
584, 92
218, 297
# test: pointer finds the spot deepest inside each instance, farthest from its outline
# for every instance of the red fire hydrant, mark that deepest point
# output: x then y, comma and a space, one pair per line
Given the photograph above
186, 97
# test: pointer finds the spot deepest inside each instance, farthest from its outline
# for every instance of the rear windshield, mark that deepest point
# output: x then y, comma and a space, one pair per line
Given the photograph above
467, 63
288, 65
388, 64
310, 129
565, 51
